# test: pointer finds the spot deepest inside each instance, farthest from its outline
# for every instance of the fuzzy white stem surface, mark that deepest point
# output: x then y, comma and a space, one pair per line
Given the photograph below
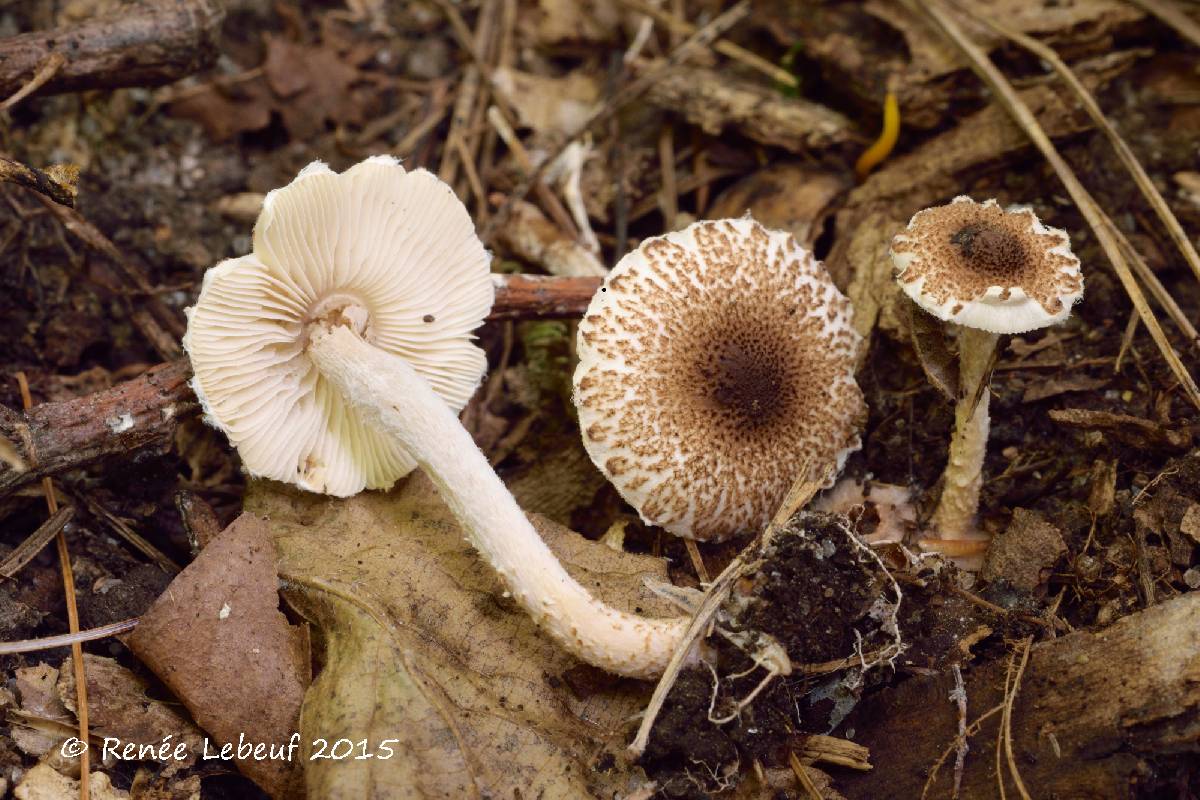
963, 478
396, 401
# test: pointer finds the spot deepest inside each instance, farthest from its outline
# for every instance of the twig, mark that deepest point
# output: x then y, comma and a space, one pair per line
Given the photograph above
1143, 181
722, 46
802, 775
1008, 98
64, 639
153, 45
697, 561
56, 184
959, 696
34, 543
127, 533
68, 579
1007, 720
970, 731
45, 71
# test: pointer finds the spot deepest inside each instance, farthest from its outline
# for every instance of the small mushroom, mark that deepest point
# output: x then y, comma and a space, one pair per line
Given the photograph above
714, 363
337, 353
990, 272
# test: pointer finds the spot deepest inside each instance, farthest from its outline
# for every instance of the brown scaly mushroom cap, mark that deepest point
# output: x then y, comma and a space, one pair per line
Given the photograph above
713, 363
983, 267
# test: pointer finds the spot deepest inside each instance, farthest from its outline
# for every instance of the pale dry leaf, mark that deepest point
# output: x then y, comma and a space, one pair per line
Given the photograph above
241, 674
44, 783
422, 647
548, 104
874, 294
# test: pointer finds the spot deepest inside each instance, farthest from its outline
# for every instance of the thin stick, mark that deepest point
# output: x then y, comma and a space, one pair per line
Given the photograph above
47, 70
959, 696
668, 195
64, 639
1008, 98
675, 24
1149, 190
34, 543
697, 561
1126, 341
971, 730
1007, 720
805, 779
68, 578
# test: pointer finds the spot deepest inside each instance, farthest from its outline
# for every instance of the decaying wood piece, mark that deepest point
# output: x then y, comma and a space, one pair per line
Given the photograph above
1092, 707
527, 296
147, 45
529, 235
140, 413
714, 102
143, 413
57, 183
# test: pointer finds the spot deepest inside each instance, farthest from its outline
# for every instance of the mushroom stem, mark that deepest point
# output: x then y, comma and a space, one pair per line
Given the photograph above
963, 478
396, 401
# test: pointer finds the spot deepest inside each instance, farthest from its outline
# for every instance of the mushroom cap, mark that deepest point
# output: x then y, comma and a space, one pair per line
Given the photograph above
391, 253
983, 267
714, 363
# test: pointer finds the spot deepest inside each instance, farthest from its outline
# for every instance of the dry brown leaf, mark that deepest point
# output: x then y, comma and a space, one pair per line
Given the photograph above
119, 707
790, 196
1052, 387
311, 84
35, 687
421, 647
939, 363
217, 639
865, 268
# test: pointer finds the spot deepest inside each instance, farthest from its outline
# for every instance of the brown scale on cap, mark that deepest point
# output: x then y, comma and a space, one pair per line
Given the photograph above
719, 359
965, 248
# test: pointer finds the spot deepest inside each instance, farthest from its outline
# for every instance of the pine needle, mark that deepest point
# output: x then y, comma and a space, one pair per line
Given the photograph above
68, 578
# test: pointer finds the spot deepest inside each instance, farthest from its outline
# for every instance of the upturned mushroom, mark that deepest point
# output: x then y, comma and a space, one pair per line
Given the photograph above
336, 354
714, 363
990, 272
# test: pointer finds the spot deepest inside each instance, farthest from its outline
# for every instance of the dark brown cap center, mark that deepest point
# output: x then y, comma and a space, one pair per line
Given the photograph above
991, 251
744, 379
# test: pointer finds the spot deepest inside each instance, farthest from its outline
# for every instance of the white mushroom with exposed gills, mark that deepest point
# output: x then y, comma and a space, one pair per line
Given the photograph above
713, 364
990, 271
336, 355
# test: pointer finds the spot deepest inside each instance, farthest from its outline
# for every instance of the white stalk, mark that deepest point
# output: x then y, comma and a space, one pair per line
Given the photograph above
954, 518
396, 401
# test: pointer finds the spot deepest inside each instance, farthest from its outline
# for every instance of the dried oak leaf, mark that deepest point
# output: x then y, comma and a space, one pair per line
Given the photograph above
311, 84
306, 85
217, 639
421, 647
